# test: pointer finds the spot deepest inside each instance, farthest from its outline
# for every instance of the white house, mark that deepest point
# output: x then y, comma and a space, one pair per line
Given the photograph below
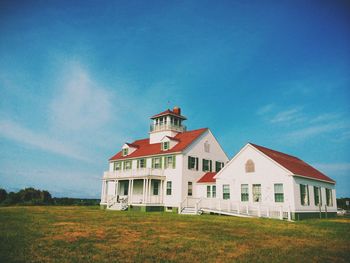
158, 173
178, 170
262, 182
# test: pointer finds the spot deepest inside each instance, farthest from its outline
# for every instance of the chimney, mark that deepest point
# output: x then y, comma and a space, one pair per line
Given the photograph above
177, 110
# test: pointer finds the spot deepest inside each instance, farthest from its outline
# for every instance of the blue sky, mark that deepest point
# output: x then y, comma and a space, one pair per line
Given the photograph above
79, 78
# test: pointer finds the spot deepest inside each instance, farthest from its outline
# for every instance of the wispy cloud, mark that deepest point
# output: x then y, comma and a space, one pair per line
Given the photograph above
307, 132
265, 109
334, 168
80, 102
291, 116
14, 131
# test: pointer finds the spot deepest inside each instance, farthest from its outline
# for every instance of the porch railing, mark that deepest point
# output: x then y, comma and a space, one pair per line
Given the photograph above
133, 173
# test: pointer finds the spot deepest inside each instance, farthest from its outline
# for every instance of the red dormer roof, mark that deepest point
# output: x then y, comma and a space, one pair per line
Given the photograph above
172, 138
293, 164
144, 148
132, 145
168, 112
207, 178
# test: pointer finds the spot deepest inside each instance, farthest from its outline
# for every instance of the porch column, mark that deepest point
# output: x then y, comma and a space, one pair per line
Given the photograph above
103, 191
149, 190
143, 191
116, 187
106, 191
161, 191
131, 190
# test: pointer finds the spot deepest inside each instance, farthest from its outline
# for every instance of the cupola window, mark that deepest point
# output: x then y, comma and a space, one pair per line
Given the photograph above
165, 146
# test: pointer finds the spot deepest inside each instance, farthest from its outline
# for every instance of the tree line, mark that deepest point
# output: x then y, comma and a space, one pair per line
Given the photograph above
32, 196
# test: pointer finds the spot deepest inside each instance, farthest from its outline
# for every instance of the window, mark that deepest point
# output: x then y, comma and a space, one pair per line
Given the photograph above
208, 191
304, 194
329, 197
192, 163
127, 165
279, 195
206, 147
206, 165
125, 151
156, 163
126, 188
169, 161
117, 166
189, 188
213, 192
155, 188
165, 146
168, 188
256, 192
249, 166
317, 196
244, 193
218, 166
141, 163
226, 191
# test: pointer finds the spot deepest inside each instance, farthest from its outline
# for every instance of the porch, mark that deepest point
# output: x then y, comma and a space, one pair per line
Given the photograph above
141, 191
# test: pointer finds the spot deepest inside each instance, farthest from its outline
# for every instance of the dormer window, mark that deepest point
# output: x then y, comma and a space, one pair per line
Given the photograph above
125, 151
165, 146
249, 166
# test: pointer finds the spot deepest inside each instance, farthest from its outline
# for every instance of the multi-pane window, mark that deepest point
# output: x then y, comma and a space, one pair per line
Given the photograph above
206, 165
317, 195
141, 163
208, 191
329, 197
125, 151
165, 146
226, 191
256, 192
304, 194
168, 188
249, 166
155, 188
189, 188
279, 194
127, 165
117, 166
192, 163
218, 166
169, 161
157, 163
244, 193
213, 192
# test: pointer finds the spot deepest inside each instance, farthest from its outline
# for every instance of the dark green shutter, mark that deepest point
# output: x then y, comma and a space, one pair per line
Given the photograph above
197, 161
203, 165
211, 165
174, 160
189, 162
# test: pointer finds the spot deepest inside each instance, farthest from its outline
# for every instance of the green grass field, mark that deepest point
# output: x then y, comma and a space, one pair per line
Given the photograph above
86, 234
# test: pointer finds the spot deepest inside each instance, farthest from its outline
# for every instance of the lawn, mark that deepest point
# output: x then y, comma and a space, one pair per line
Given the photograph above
86, 234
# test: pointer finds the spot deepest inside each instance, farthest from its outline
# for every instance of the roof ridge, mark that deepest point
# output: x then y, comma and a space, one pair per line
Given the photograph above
256, 145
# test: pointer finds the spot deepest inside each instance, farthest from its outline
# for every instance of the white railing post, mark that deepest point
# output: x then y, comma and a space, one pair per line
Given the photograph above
289, 215
281, 213
247, 209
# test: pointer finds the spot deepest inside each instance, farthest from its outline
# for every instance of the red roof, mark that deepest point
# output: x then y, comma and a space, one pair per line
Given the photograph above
294, 164
132, 145
207, 178
145, 148
168, 112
